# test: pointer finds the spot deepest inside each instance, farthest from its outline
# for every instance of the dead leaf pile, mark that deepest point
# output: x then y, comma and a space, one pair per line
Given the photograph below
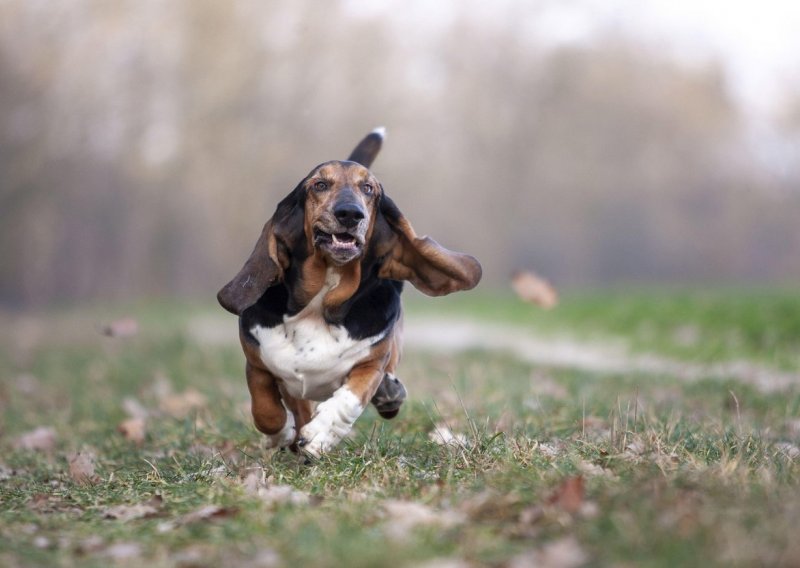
533, 289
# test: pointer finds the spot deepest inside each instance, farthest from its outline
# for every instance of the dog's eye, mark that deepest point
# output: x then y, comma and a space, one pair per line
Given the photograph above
367, 188
321, 185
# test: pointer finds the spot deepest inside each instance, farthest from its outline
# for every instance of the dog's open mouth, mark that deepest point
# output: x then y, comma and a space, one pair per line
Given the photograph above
337, 242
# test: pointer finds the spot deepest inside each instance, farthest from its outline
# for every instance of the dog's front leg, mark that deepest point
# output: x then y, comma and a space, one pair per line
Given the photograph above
334, 417
270, 414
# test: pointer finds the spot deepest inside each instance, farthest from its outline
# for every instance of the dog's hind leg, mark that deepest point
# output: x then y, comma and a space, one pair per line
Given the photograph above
389, 397
391, 392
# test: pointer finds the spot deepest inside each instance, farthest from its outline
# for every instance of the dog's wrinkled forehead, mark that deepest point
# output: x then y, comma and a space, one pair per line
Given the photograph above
339, 174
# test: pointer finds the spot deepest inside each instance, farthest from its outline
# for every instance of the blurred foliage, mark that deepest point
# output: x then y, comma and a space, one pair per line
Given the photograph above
143, 144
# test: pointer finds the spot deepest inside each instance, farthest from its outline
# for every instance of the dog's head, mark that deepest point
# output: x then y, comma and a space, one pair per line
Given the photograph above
339, 216
341, 205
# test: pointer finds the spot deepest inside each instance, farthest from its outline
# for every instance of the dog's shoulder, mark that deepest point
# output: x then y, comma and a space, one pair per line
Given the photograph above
370, 312
373, 311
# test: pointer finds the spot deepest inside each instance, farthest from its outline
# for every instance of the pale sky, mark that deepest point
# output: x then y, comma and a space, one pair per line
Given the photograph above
758, 43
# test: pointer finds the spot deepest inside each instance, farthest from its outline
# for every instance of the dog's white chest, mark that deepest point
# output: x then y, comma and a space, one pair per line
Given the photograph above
310, 355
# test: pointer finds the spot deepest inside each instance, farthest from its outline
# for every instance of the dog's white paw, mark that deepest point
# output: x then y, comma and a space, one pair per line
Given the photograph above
331, 422
285, 437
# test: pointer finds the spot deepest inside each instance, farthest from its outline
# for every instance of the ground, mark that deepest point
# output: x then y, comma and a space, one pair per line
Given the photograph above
655, 428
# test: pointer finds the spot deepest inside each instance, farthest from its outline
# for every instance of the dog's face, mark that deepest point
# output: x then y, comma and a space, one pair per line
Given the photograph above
333, 216
340, 209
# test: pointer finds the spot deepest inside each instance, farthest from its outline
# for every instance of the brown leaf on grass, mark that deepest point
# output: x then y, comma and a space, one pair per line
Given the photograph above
256, 484
127, 513
41, 439
123, 327
133, 429
203, 514
534, 289
181, 404
81, 469
569, 495
404, 516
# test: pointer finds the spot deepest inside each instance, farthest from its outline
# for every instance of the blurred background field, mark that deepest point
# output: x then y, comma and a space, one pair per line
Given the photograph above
144, 143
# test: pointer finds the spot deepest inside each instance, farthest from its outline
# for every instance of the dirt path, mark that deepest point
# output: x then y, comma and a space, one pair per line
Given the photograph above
451, 335
603, 357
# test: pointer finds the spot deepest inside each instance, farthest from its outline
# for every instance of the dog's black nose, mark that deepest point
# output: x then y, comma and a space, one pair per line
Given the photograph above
348, 214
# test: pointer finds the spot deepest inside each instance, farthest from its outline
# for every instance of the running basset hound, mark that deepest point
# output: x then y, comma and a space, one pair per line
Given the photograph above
319, 303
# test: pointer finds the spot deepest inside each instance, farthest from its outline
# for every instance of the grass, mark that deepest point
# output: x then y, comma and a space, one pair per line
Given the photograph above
555, 466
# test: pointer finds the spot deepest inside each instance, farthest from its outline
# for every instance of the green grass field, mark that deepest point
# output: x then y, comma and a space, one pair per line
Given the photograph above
542, 466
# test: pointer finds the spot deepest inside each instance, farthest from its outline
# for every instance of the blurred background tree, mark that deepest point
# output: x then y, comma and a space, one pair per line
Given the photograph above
144, 143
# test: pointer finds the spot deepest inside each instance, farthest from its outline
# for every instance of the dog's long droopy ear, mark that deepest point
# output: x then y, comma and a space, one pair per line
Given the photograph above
430, 267
269, 259
366, 150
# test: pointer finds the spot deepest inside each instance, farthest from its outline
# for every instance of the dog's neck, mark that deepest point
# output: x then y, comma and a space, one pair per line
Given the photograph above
336, 285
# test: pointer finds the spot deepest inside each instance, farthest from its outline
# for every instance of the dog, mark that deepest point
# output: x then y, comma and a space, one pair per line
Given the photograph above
319, 306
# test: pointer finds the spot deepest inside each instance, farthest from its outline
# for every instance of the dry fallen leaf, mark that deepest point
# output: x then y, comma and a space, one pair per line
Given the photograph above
181, 404
255, 483
569, 495
81, 469
205, 513
534, 289
403, 516
133, 429
41, 439
444, 436
126, 513
123, 327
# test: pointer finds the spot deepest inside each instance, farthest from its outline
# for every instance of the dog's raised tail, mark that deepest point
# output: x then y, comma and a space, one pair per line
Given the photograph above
365, 151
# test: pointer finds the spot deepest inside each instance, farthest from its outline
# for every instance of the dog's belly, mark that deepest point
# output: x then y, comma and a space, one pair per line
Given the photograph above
310, 356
